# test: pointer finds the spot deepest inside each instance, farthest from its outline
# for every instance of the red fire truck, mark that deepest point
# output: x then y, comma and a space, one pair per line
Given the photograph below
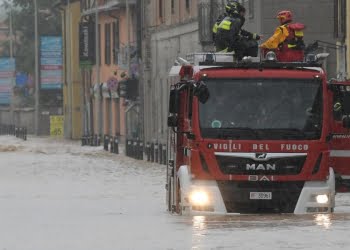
256, 137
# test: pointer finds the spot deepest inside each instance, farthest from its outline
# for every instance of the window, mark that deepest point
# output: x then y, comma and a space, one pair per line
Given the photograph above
116, 42
160, 6
340, 18
108, 43
188, 5
99, 43
172, 6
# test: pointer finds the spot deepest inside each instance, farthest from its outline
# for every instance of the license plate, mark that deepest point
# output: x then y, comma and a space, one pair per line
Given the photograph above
260, 195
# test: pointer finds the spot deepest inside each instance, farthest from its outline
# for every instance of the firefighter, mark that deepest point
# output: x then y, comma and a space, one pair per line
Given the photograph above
231, 37
216, 25
219, 20
287, 41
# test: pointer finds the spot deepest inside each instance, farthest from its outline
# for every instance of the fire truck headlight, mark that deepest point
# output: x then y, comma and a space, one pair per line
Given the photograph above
199, 198
271, 56
322, 199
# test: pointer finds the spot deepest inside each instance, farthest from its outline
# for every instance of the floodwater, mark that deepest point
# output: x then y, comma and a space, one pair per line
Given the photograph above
57, 195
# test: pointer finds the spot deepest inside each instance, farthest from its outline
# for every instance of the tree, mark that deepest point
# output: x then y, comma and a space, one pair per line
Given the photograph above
49, 23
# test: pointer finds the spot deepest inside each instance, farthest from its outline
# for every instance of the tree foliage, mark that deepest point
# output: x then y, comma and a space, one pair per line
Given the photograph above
49, 23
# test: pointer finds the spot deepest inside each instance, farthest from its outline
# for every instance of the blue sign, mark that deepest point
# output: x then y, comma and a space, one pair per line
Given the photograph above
51, 62
51, 43
21, 79
7, 74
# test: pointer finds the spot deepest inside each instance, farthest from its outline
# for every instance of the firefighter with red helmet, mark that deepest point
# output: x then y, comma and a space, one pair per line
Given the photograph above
287, 41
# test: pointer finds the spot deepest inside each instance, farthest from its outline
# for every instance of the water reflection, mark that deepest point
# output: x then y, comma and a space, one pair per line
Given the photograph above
225, 232
203, 224
199, 223
323, 220
199, 231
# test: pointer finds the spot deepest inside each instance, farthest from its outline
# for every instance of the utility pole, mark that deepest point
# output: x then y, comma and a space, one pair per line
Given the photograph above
127, 57
11, 56
128, 29
97, 44
11, 34
69, 73
37, 87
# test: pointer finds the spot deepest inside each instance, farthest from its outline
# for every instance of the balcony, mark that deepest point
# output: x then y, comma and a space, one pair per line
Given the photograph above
108, 6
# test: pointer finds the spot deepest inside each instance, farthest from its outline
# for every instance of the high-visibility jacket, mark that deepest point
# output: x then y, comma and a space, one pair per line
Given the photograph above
228, 32
216, 25
287, 36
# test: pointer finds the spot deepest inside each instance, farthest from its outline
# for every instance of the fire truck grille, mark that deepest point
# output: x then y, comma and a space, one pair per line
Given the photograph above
236, 196
247, 166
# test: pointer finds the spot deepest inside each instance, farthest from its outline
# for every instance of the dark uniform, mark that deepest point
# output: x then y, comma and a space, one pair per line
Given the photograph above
231, 37
216, 25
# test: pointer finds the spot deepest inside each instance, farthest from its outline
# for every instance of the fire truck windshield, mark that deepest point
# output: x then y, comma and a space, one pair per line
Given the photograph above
265, 109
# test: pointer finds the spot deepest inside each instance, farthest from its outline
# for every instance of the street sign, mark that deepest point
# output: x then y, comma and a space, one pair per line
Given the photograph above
87, 44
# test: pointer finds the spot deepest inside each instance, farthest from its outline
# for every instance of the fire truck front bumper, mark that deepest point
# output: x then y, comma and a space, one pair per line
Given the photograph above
229, 197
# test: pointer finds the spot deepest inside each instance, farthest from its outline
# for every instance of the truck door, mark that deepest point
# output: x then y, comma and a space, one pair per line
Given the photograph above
340, 142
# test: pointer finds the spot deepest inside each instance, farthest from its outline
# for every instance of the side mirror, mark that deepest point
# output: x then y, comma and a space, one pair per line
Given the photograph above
172, 121
346, 121
341, 92
174, 101
202, 92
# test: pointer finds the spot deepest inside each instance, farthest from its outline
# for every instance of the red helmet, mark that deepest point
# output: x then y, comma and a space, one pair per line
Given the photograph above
285, 16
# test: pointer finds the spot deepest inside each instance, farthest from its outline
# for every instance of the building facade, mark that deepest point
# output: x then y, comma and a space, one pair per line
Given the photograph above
91, 91
72, 104
170, 31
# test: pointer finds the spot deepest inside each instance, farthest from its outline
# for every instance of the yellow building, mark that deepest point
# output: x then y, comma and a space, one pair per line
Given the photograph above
72, 93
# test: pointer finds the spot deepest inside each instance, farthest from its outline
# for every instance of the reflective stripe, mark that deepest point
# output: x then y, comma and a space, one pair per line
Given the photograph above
299, 33
215, 28
223, 51
225, 25
340, 153
290, 46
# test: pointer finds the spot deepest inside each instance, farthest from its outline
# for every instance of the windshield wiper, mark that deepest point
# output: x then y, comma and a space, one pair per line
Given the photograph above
231, 133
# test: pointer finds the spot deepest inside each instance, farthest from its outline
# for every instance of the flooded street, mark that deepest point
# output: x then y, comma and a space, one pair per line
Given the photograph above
57, 195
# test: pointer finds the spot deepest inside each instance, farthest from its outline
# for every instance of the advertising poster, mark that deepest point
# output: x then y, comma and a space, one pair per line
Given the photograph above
7, 79
57, 126
51, 62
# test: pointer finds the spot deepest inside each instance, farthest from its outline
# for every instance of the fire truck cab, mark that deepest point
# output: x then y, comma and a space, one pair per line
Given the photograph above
256, 137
